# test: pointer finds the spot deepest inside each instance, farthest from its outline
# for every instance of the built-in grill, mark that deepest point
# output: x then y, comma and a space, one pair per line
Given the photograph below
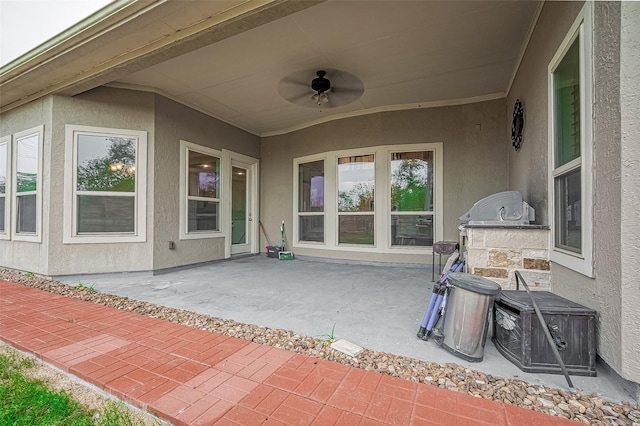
503, 208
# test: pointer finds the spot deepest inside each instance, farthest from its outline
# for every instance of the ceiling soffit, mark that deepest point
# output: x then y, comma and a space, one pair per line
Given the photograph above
226, 58
133, 39
407, 54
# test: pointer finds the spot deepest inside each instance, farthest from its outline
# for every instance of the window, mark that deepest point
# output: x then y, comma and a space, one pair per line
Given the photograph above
311, 201
27, 180
381, 199
412, 198
570, 148
105, 185
566, 92
203, 195
5, 185
356, 195
200, 212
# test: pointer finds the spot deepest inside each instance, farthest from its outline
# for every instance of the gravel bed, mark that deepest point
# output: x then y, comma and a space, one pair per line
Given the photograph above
585, 408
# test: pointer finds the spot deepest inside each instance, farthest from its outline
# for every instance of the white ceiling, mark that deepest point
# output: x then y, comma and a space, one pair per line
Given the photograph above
405, 53
228, 58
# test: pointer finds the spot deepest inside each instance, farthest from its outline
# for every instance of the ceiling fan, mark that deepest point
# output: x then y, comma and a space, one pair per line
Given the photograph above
321, 92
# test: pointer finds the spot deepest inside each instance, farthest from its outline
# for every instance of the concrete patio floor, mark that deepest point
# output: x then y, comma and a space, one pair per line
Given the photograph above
377, 306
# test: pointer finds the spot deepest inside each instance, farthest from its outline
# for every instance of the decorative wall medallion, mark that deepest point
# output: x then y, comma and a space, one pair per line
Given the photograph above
517, 125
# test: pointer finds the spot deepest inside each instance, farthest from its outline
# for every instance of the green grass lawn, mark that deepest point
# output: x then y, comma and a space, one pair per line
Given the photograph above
356, 239
26, 401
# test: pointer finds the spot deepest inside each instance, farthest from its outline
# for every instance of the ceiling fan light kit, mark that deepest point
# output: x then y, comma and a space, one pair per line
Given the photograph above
346, 88
320, 98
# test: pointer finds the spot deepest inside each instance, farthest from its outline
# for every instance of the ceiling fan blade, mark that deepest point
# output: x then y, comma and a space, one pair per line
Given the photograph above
295, 87
294, 80
345, 88
340, 99
302, 99
345, 80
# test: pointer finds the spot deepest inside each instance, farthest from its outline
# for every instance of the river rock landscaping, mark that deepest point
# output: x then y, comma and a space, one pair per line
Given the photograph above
586, 408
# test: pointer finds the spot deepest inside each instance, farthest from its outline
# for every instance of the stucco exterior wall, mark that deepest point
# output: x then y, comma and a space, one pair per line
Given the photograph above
24, 255
474, 154
606, 180
166, 123
529, 174
603, 293
101, 107
528, 167
630, 182
175, 122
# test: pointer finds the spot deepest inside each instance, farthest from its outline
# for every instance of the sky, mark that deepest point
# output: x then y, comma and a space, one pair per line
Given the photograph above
25, 24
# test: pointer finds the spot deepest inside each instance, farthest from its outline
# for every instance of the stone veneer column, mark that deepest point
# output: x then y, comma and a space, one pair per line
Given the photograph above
496, 252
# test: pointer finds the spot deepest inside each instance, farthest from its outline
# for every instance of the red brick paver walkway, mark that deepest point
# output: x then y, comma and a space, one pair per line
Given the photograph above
194, 377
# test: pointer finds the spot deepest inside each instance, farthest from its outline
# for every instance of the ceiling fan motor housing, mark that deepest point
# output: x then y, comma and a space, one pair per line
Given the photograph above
321, 84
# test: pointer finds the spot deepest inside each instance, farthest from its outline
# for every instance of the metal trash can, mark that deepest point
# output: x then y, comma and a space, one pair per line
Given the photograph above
468, 314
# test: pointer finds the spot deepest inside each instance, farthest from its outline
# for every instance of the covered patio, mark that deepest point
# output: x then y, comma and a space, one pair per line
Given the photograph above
203, 122
376, 306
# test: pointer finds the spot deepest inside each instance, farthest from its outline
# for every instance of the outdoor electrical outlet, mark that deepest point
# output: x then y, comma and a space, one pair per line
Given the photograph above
172, 245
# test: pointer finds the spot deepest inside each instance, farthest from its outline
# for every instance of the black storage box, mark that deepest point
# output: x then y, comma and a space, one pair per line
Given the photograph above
519, 336
273, 251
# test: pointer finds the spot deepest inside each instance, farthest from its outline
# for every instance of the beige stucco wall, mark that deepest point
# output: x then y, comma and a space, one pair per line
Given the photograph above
630, 182
474, 154
528, 172
174, 122
23, 255
606, 184
101, 107
166, 123
603, 292
528, 167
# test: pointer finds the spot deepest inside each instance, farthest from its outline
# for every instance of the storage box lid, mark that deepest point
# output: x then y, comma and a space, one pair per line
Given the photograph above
546, 301
474, 283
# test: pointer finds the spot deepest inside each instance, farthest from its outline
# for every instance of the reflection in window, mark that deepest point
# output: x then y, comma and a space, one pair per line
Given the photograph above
202, 215
568, 218
203, 194
100, 214
238, 205
311, 201
412, 198
566, 89
356, 176
27, 184
3, 169
105, 184
356, 229
3, 185
27, 164
27, 214
106, 163
356, 196
568, 160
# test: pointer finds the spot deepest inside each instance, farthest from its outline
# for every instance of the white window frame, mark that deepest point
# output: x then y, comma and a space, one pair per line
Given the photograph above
184, 233
437, 193
376, 197
382, 207
6, 198
70, 235
580, 262
35, 237
296, 187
